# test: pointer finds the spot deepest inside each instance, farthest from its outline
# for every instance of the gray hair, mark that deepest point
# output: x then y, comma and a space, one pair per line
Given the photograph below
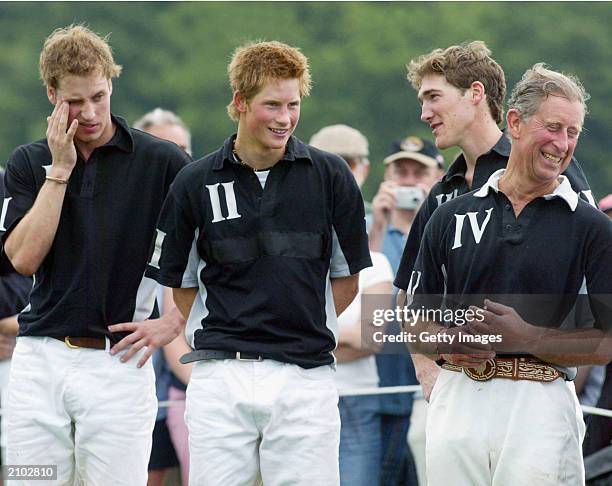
159, 117
538, 83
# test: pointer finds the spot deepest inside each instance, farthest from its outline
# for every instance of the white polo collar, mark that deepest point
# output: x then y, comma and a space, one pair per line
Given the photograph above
563, 190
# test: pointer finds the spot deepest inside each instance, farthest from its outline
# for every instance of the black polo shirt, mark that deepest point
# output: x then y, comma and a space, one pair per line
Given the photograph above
453, 184
263, 257
14, 288
93, 275
475, 247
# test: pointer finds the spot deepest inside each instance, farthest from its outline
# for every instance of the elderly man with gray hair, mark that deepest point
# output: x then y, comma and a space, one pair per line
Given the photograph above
516, 253
166, 125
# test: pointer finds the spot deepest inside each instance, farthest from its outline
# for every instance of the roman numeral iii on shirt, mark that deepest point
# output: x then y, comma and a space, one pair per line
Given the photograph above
230, 201
477, 231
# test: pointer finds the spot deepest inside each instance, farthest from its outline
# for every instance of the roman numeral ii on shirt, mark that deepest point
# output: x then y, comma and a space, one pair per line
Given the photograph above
230, 201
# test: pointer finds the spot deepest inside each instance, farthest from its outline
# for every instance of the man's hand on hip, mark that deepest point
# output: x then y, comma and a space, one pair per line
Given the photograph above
152, 334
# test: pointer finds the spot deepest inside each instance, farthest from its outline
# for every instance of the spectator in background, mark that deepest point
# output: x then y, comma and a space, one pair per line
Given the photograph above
411, 168
170, 447
360, 429
166, 125
352, 146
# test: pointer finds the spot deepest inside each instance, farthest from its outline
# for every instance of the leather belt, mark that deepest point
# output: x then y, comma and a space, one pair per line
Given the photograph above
83, 342
513, 368
203, 354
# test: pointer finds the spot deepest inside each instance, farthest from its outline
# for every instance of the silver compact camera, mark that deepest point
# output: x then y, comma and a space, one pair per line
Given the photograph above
409, 197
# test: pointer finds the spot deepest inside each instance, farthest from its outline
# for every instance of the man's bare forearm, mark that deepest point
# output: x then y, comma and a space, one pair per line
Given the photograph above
573, 347
344, 290
345, 353
9, 326
30, 241
423, 363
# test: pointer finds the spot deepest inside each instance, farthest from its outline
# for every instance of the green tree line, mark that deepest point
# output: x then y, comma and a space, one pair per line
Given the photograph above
175, 56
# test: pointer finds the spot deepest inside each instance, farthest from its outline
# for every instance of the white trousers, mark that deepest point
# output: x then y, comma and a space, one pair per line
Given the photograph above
503, 433
270, 421
82, 410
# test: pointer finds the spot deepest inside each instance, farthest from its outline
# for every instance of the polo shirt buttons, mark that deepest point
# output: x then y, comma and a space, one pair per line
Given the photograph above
508, 207
509, 227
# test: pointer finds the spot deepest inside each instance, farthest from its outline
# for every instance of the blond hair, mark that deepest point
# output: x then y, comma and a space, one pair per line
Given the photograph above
76, 50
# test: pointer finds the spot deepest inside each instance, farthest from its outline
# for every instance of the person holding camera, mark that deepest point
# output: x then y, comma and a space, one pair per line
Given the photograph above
412, 167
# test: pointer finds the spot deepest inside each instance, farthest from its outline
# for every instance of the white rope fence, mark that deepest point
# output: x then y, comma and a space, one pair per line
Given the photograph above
387, 390
596, 411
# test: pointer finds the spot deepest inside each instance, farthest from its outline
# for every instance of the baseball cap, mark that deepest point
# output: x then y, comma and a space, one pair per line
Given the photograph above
606, 203
341, 140
415, 148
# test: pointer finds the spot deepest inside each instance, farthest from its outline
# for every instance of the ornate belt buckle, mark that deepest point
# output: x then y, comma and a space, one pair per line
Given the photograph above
484, 372
69, 344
